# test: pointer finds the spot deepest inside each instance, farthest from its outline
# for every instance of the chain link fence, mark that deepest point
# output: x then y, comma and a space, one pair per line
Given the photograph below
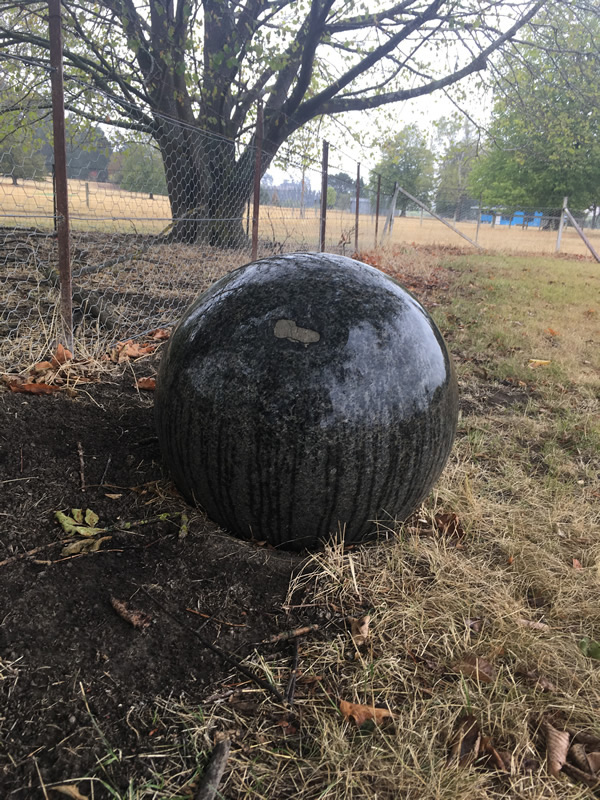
154, 221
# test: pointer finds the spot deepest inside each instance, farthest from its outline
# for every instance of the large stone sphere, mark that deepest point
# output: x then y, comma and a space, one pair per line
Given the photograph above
306, 395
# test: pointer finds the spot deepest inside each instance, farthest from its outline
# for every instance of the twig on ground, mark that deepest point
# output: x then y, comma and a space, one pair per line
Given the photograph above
41, 779
214, 771
291, 688
227, 657
212, 618
108, 460
81, 466
292, 634
33, 551
121, 526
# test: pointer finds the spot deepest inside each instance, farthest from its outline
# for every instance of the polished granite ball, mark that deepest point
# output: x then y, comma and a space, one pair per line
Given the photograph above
304, 396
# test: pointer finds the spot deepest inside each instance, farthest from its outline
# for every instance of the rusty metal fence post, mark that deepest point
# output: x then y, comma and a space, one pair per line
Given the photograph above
60, 171
357, 208
257, 176
324, 168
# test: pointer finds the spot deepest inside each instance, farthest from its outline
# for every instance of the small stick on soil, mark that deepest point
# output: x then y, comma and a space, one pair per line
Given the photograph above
81, 467
41, 779
291, 689
227, 657
108, 460
33, 551
293, 634
214, 771
212, 618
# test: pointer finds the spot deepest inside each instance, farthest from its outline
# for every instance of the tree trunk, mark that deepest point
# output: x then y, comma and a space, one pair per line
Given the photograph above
207, 188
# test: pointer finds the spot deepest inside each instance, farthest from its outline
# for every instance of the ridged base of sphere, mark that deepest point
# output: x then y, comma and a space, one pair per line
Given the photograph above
303, 396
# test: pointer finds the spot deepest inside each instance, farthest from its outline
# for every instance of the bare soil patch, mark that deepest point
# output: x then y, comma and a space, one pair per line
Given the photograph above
68, 661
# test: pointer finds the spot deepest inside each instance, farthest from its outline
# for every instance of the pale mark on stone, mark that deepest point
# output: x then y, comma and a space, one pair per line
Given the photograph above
287, 329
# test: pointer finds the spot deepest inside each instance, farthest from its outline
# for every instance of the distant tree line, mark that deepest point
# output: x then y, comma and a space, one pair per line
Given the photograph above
26, 153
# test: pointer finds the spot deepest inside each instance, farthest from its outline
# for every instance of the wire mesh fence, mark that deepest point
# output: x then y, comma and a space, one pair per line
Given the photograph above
154, 220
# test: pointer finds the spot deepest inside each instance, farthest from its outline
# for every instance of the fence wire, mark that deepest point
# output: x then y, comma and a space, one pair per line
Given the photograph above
155, 221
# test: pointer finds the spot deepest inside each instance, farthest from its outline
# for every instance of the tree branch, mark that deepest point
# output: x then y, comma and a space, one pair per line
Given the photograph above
328, 104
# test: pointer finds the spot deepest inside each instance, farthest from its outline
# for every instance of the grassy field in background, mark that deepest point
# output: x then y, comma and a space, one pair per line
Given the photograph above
117, 211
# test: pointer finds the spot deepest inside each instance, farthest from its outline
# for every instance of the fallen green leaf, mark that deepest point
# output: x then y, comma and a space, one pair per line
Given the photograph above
91, 518
590, 648
77, 515
84, 546
70, 526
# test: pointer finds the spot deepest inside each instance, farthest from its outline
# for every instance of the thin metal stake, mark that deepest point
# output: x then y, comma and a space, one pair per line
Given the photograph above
60, 171
324, 168
257, 176
357, 207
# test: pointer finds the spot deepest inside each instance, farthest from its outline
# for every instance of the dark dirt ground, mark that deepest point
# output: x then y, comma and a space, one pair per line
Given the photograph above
59, 630
70, 666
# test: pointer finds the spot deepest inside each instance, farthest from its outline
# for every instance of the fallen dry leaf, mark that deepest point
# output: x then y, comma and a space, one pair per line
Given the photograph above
359, 630
146, 383
61, 356
594, 761
33, 388
588, 739
130, 349
534, 363
557, 748
530, 623
545, 684
448, 524
359, 714
43, 366
289, 727
160, 334
70, 790
139, 619
540, 681
465, 743
579, 756
84, 546
478, 668
498, 758
577, 564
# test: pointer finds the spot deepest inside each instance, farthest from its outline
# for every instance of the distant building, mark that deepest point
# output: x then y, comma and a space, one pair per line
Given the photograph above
518, 219
364, 205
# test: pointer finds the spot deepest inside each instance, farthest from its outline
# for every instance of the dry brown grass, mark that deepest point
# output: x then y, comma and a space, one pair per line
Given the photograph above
107, 209
524, 480
518, 589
